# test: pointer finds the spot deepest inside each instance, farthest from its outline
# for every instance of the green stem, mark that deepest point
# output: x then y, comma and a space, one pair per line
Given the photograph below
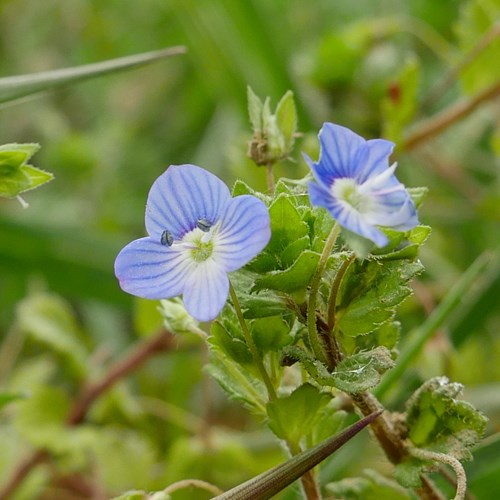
251, 345
332, 299
313, 294
270, 177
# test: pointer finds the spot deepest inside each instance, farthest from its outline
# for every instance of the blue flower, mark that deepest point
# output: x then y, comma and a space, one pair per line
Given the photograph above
197, 234
357, 186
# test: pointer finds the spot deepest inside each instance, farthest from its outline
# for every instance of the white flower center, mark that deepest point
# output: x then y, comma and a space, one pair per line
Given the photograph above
200, 243
348, 191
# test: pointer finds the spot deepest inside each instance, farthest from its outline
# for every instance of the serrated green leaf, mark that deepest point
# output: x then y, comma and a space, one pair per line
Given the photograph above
286, 224
50, 320
293, 279
387, 335
270, 333
362, 371
286, 119
370, 293
16, 176
294, 416
241, 187
255, 108
438, 420
403, 245
238, 382
330, 421
14, 87
256, 305
407, 473
233, 346
292, 252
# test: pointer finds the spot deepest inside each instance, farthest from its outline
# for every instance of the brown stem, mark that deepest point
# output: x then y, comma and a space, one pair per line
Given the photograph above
310, 486
382, 427
160, 343
131, 362
441, 121
428, 491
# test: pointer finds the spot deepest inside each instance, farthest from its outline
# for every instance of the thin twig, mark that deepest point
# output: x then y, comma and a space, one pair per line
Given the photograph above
438, 123
131, 362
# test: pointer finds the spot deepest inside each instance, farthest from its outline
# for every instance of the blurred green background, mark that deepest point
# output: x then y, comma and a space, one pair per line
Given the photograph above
373, 67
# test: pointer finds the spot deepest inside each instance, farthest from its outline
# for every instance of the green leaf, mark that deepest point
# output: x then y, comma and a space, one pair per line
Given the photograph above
237, 381
370, 293
49, 319
270, 333
255, 108
286, 224
387, 335
362, 371
438, 420
13, 87
295, 278
293, 417
292, 252
407, 473
16, 176
286, 119
233, 346
256, 305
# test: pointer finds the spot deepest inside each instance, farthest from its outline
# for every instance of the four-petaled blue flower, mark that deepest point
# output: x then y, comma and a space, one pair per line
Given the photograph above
357, 186
197, 234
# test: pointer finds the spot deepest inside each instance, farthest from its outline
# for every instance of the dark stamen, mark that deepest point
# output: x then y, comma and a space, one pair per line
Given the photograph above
167, 239
204, 224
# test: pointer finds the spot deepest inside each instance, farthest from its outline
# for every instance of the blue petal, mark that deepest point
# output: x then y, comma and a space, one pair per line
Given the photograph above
374, 158
206, 291
147, 269
181, 196
340, 150
320, 196
244, 232
345, 215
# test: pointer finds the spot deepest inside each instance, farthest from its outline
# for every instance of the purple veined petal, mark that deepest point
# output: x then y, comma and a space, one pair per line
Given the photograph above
147, 269
320, 196
374, 159
181, 196
346, 215
402, 218
244, 232
206, 291
339, 153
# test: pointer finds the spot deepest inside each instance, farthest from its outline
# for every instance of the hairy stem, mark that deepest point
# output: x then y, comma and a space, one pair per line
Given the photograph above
448, 460
313, 294
251, 345
270, 178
